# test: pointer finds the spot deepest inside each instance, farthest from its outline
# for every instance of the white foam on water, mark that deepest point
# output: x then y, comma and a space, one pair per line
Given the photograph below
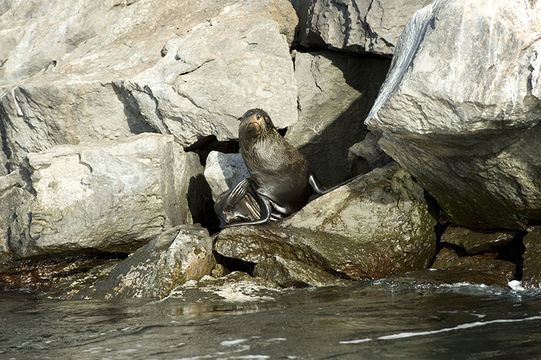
94, 350
480, 316
233, 342
463, 284
515, 285
127, 351
277, 339
458, 327
432, 332
355, 341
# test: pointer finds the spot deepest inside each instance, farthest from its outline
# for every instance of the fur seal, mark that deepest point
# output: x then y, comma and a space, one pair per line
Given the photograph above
281, 180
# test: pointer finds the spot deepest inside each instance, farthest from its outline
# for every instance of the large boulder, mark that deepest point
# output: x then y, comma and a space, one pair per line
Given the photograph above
371, 26
335, 90
461, 108
376, 226
84, 71
106, 196
224, 171
178, 255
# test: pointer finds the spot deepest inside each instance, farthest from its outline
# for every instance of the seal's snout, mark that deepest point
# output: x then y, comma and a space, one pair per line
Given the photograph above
256, 122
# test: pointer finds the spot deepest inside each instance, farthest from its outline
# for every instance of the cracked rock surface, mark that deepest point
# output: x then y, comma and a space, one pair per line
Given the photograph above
106, 71
362, 26
107, 196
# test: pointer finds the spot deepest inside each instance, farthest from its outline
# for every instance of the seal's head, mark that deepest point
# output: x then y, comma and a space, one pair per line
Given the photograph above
255, 122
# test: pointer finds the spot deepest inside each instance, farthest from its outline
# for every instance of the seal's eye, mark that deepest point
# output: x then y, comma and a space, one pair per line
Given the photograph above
258, 116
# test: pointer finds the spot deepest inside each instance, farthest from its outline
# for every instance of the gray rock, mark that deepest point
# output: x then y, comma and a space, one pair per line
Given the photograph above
107, 196
335, 91
478, 266
461, 113
372, 26
367, 155
376, 226
80, 72
224, 171
12, 195
178, 255
294, 273
278, 254
453, 276
475, 242
531, 276
77, 281
3, 157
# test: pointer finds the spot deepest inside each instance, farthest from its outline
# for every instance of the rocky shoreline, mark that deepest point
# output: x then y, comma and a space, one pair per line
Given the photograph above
118, 129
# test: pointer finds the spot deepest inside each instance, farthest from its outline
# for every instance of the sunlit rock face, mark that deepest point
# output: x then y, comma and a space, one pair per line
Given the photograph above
461, 108
224, 172
362, 26
107, 70
104, 196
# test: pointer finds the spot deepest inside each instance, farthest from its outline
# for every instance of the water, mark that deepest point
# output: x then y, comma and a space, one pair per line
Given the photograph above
360, 321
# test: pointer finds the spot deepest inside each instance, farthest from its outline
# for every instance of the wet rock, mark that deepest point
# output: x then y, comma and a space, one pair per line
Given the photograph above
81, 284
88, 71
531, 276
455, 277
376, 226
372, 26
57, 277
171, 259
469, 135
107, 196
234, 288
224, 171
475, 242
335, 91
367, 155
293, 273
487, 263
280, 255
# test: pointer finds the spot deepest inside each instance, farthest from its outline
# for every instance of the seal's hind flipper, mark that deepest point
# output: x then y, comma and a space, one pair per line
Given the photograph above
266, 212
320, 190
